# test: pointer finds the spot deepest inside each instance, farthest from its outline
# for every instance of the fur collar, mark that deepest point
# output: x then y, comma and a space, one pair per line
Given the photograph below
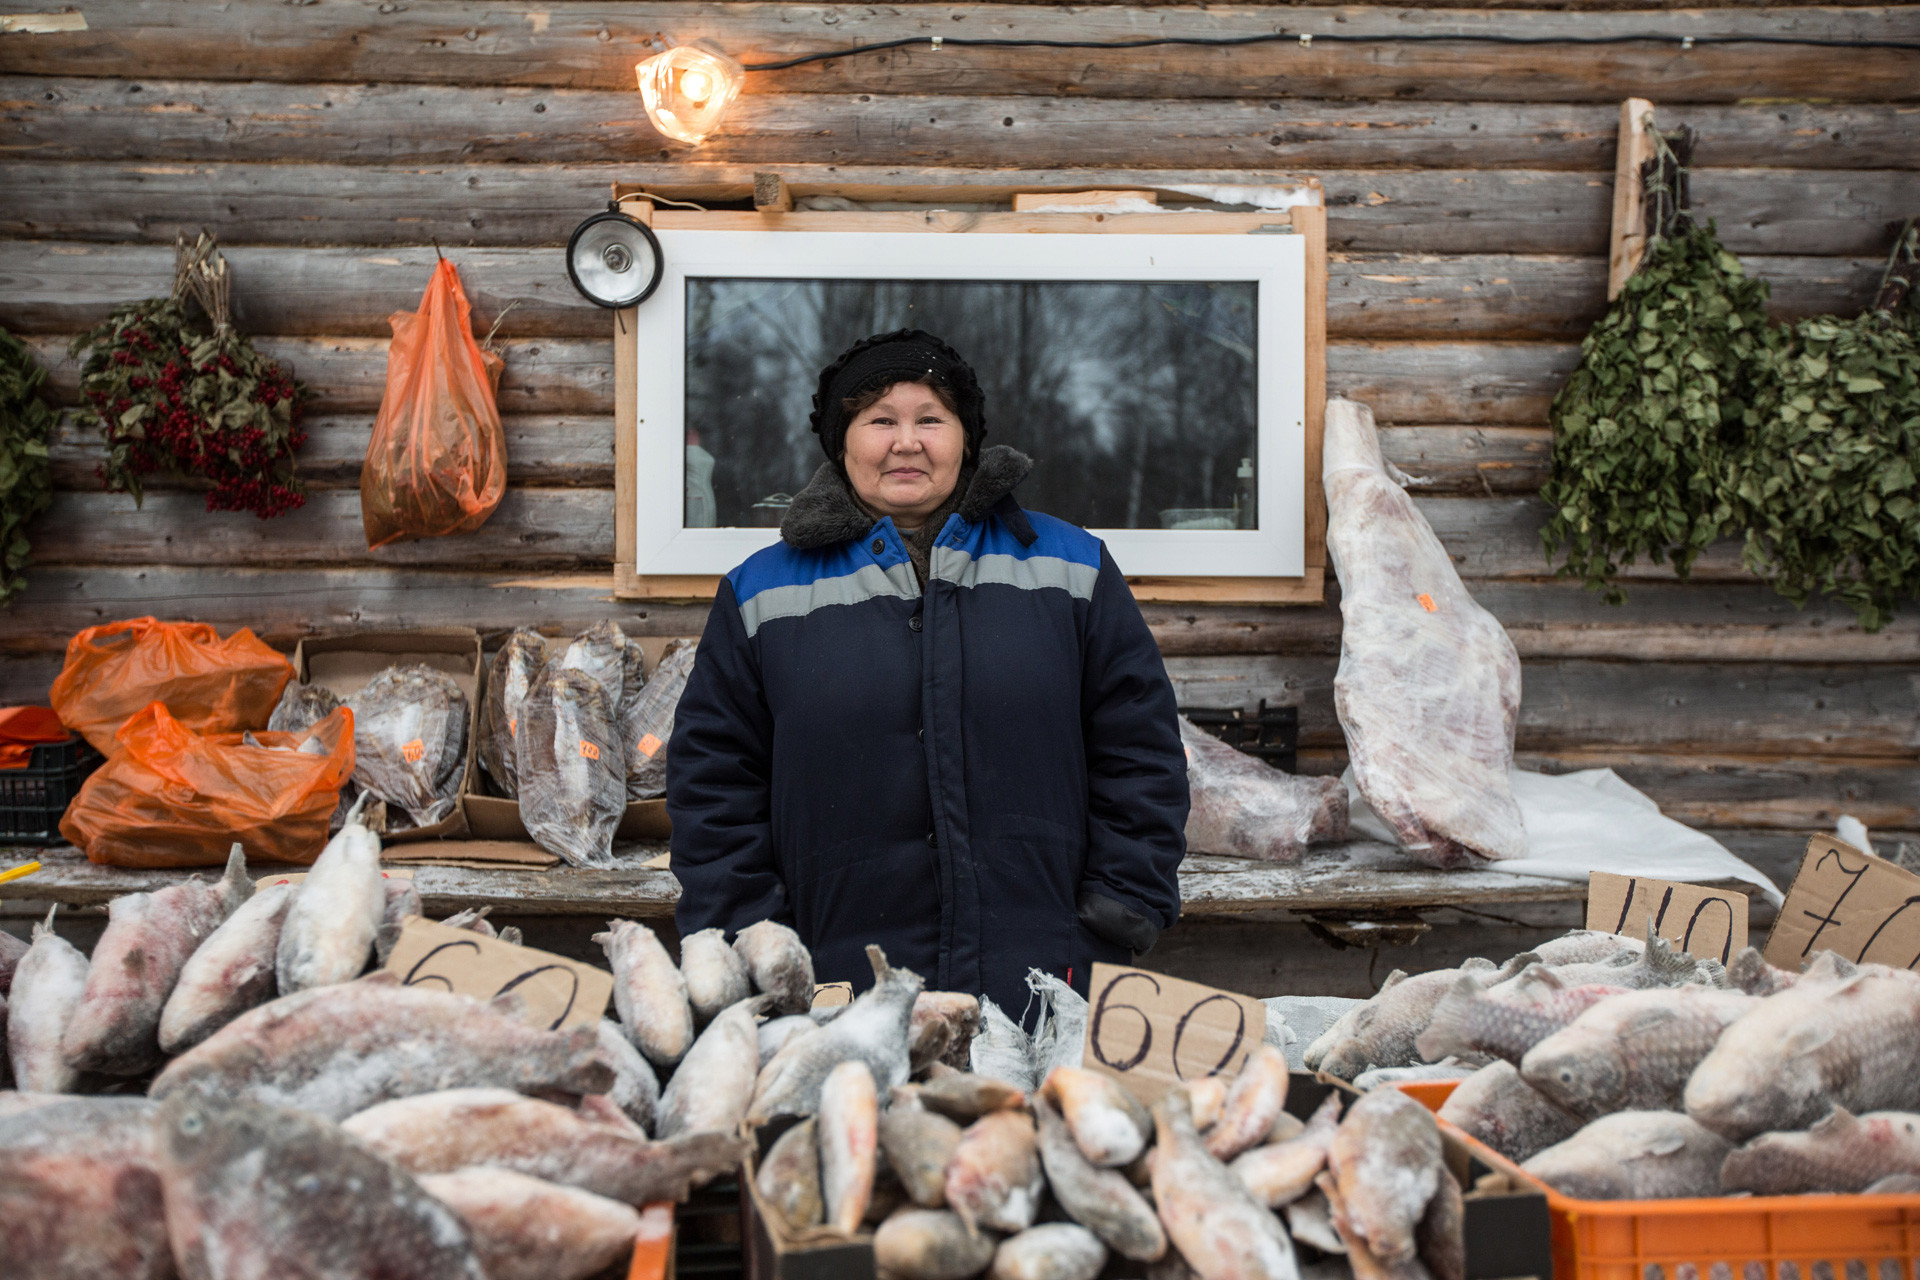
825, 514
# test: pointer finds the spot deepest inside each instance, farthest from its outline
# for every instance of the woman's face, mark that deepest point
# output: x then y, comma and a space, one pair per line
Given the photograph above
903, 453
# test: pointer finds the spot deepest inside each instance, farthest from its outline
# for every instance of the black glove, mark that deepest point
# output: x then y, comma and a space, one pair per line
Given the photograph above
1117, 923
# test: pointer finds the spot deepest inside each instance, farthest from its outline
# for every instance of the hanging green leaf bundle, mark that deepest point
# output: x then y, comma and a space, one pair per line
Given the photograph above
26, 479
1642, 430
190, 397
1824, 481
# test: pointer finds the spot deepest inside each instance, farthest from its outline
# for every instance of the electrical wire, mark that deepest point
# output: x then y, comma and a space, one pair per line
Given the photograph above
1307, 39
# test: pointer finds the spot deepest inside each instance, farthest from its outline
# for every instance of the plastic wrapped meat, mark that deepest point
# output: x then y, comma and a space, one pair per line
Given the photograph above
410, 740
649, 723
302, 706
514, 670
601, 652
1246, 808
572, 766
1428, 688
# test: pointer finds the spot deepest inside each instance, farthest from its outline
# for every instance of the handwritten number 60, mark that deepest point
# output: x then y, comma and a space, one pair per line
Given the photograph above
1239, 1034
1146, 1028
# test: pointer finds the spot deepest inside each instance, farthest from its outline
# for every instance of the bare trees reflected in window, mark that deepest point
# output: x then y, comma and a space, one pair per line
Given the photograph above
1137, 402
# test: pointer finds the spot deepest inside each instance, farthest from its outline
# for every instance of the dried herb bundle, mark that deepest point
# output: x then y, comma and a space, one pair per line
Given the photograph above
1641, 431
26, 479
191, 397
1824, 480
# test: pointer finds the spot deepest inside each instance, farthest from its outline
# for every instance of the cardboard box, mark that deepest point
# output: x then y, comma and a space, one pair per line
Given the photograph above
345, 662
1506, 1223
491, 817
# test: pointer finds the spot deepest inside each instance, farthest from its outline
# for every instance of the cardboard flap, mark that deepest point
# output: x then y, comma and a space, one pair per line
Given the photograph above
1151, 1032
1708, 923
1861, 907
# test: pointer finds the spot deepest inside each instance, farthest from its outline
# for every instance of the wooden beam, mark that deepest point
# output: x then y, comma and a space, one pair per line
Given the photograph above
72, 118
1628, 240
771, 194
592, 45
1082, 201
1769, 211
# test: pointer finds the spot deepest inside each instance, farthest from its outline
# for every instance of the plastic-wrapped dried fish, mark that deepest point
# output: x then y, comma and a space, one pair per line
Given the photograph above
601, 652
302, 706
646, 730
633, 679
572, 766
514, 670
410, 740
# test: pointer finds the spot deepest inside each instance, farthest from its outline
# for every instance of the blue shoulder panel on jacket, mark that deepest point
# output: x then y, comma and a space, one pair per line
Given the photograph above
1061, 555
783, 582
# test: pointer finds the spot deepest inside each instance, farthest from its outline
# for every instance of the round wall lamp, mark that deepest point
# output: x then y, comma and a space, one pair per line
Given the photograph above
614, 260
686, 90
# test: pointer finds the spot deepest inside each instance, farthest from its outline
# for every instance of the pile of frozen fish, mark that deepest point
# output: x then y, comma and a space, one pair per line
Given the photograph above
304, 1119
959, 1174
1621, 1070
409, 739
576, 732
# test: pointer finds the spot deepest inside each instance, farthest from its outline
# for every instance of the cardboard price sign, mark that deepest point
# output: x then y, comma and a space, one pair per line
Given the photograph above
295, 877
1151, 1032
830, 995
1849, 902
1709, 923
559, 992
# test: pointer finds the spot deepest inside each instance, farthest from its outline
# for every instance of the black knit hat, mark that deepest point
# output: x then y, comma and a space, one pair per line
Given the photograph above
905, 355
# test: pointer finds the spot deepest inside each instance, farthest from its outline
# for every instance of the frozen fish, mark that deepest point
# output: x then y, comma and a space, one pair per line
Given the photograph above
873, 1029
1440, 1239
403, 903
994, 1178
779, 964
649, 992
1361, 1262
1282, 1172
964, 1096
716, 975
1635, 1155
525, 1228
1751, 973
12, 951
514, 669
1102, 1200
1310, 1222
572, 766
1383, 1031
789, 1177
714, 1083
148, 940
648, 726
47, 987
775, 1032
80, 1192
1221, 1231
456, 1128
958, 1012
1108, 1123
1254, 1101
1500, 1109
253, 1190
231, 972
410, 740
1586, 946
849, 1139
302, 706
329, 928
918, 1146
1472, 1020
1002, 1051
1633, 1052
1842, 1153
1844, 1035
1385, 1160
930, 1244
636, 1089
338, 1050
1207, 1096
600, 652
1052, 1251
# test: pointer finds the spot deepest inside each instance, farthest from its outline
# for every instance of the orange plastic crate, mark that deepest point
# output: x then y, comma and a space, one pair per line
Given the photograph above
1723, 1238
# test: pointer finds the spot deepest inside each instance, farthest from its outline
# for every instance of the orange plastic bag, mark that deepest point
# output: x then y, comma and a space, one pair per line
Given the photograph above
170, 797
208, 684
438, 460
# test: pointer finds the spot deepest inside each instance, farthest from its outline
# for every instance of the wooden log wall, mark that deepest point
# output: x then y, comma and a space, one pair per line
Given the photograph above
330, 143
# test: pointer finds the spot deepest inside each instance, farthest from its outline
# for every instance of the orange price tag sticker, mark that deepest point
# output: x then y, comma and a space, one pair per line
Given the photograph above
588, 751
1426, 602
412, 752
650, 746
513, 726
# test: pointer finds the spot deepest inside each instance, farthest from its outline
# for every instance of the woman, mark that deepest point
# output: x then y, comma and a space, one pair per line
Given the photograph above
926, 718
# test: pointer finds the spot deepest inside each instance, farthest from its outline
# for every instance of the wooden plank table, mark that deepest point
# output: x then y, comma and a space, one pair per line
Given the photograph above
1358, 877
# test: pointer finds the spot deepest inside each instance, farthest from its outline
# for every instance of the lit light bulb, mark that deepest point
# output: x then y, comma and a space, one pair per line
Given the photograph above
686, 90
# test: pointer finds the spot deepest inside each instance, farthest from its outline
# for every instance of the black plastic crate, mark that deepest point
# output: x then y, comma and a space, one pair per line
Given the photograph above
1268, 733
34, 799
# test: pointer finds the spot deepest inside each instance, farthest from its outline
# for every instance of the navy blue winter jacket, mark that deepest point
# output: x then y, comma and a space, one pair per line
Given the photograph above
982, 777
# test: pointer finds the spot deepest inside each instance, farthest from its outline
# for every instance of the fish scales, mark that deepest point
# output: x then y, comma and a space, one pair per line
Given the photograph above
1383, 1031
257, 1191
1635, 1155
1633, 1052
1843, 1153
338, 1050
457, 1128
1498, 1107
873, 1029
1471, 1020
147, 942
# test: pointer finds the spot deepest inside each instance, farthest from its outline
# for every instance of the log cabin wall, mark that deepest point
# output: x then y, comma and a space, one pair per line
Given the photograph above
330, 143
